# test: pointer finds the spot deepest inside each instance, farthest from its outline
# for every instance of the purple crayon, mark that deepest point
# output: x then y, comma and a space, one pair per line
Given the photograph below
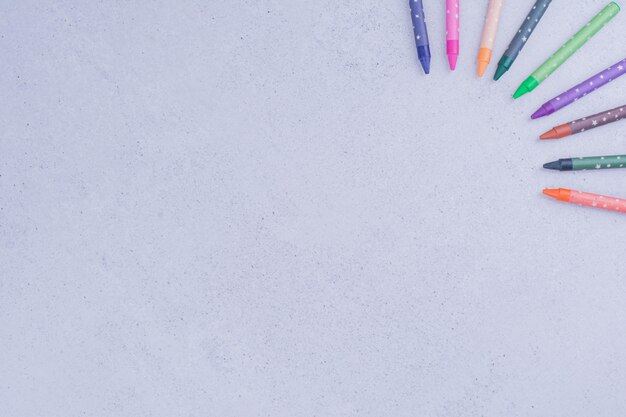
581, 90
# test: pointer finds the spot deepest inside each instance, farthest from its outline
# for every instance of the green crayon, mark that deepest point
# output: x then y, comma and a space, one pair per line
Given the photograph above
589, 162
567, 50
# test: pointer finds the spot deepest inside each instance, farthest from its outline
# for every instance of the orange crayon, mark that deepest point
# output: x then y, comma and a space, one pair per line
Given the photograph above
490, 29
587, 199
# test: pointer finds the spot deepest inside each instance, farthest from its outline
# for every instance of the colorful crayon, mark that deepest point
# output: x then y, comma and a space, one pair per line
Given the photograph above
490, 29
421, 33
452, 32
588, 162
581, 90
567, 50
521, 37
586, 123
587, 199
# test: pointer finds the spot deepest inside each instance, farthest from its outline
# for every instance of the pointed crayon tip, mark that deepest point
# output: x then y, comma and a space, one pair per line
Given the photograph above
499, 72
482, 66
539, 113
550, 134
560, 194
484, 57
555, 165
425, 61
452, 58
553, 192
520, 91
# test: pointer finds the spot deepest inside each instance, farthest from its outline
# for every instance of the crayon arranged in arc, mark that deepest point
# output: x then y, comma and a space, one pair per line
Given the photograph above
452, 31
421, 33
587, 199
586, 123
521, 37
567, 50
581, 90
490, 29
588, 162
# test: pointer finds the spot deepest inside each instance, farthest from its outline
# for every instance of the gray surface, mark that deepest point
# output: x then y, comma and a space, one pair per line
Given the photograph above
263, 208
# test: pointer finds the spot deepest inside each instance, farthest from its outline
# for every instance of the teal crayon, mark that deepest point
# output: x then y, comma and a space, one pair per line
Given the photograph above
588, 163
521, 37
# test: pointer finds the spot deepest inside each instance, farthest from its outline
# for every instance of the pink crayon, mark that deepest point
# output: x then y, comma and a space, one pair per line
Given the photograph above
452, 31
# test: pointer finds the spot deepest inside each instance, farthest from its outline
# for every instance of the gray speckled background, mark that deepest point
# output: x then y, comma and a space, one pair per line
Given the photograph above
263, 208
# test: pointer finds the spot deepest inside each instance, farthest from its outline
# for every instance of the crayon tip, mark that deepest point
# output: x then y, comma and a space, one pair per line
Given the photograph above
520, 91
552, 192
557, 132
425, 61
555, 165
482, 66
527, 86
543, 111
550, 134
484, 57
499, 72
559, 193
452, 58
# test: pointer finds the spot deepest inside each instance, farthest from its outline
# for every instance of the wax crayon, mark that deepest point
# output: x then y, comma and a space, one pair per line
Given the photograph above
452, 32
421, 33
567, 50
587, 199
521, 37
588, 162
586, 123
581, 90
490, 29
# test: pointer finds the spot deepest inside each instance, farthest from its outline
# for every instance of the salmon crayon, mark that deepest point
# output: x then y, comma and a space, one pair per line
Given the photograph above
452, 32
587, 199
489, 35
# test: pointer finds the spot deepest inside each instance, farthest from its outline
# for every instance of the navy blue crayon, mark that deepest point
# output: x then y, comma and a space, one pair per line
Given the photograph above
421, 34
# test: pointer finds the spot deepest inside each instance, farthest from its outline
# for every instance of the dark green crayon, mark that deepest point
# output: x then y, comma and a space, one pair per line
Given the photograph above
523, 34
589, 162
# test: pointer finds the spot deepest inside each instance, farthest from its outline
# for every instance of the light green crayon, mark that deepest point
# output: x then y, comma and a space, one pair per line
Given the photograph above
567, 50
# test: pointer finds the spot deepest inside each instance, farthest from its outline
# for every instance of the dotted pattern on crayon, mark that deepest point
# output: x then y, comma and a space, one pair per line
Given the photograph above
576, 42
452, 20
598, 201
597, 120
491, 24
590, 85
599, 162
527, 29
419, 22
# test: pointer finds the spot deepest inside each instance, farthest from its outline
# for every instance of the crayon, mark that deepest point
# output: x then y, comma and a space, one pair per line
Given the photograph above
587, 199
581, 90
421, 33
567, 50
452, 32
521, 37
588, 162
490, 29
586, 123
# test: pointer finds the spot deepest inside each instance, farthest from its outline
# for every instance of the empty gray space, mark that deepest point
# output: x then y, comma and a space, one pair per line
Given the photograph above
264, 208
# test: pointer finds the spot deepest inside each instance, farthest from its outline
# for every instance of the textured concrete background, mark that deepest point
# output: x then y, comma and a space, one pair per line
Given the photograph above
263, 208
